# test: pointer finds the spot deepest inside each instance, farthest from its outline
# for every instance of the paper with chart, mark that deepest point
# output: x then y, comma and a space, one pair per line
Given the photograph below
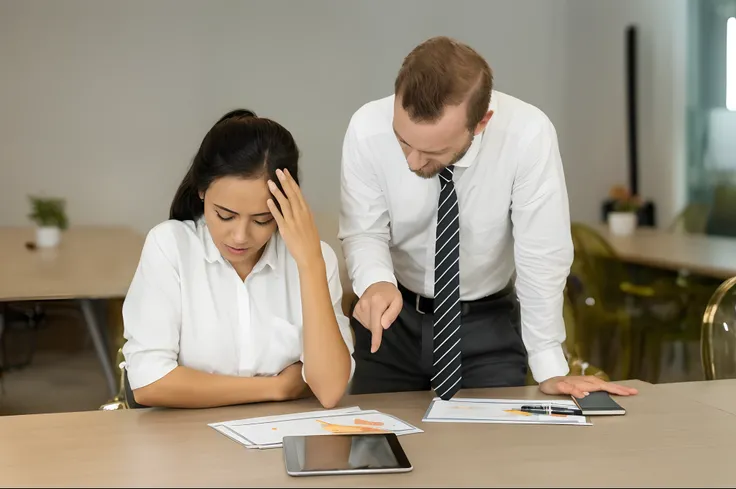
497, 411
268, 432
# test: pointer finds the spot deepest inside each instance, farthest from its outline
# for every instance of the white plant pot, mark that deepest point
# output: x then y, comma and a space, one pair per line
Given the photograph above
622, 223
48, 236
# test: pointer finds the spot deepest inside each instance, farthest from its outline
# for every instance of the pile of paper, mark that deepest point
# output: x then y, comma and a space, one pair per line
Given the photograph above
269, 431
497, 411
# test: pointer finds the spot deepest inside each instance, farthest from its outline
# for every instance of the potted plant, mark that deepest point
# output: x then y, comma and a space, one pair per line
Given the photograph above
622, 220
50, 217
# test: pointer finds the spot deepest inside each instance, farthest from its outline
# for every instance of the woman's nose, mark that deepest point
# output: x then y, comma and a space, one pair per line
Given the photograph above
240, 234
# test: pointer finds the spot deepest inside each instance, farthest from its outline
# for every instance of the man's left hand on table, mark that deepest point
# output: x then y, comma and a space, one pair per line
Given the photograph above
580, 386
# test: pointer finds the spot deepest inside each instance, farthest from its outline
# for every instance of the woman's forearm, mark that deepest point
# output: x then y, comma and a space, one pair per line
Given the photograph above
326, 357
185, 387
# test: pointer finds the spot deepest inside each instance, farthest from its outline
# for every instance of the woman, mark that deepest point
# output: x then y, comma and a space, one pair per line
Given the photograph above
225, 308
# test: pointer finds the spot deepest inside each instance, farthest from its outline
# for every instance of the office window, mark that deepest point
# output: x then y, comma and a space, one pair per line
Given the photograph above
711, 108
731, 64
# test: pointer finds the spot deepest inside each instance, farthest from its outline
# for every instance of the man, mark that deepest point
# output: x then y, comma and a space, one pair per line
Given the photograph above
449, 190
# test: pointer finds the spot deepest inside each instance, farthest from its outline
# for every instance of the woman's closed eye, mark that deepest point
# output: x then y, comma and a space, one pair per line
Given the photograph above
263, 223
228, 218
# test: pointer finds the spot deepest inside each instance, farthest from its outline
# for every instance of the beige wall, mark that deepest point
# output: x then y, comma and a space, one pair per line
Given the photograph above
106, 102
595, 102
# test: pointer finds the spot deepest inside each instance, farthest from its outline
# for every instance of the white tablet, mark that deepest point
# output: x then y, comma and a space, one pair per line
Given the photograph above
344, 454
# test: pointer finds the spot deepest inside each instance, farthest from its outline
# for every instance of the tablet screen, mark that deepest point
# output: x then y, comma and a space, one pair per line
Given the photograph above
335, 453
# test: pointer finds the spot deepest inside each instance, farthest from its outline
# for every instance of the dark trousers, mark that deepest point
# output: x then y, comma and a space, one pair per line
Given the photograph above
493, 354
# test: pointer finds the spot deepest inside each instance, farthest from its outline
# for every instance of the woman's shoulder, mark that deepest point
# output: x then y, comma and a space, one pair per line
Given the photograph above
172, 236
173, 231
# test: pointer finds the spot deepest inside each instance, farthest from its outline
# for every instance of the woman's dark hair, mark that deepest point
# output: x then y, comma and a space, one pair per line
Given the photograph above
240, 144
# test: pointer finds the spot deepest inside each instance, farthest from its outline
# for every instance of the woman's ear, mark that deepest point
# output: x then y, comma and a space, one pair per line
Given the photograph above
201, 196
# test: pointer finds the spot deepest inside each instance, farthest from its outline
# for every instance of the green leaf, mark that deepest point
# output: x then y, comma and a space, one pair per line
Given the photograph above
48, 212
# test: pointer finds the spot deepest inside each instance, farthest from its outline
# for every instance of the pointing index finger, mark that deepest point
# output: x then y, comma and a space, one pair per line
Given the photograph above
376, 329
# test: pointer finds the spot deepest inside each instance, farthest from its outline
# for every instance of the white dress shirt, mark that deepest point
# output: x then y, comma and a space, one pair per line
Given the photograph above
514, 217
187, 306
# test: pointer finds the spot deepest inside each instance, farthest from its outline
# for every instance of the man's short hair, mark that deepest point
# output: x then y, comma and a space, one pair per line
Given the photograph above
440, 72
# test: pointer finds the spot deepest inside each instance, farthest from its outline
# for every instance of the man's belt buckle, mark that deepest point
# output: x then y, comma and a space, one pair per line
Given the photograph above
419, 310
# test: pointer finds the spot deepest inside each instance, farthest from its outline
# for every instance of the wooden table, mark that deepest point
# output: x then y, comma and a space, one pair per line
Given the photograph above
720, 394
658, 443
711, 256
90, 263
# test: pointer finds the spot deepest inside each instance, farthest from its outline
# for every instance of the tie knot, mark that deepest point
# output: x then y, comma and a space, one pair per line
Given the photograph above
446, 174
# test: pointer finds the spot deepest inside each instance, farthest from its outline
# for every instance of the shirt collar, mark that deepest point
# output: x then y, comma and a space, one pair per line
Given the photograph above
270, 255
474, 149
212, 254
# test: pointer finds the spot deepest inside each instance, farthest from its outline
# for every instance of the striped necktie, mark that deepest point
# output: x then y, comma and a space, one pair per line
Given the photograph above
447, 354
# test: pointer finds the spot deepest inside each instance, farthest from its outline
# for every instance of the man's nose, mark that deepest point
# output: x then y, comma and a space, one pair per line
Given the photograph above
415, 161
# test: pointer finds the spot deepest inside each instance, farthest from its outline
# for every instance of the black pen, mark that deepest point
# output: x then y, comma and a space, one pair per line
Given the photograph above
551, 410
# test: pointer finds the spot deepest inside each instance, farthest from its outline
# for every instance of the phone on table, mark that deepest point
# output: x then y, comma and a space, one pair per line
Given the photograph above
374, 453
598, 403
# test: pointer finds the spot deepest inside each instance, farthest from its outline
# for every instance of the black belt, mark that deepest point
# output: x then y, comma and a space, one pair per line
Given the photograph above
425, 305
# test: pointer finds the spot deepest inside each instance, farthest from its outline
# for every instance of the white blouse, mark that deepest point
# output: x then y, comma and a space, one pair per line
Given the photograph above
187, 306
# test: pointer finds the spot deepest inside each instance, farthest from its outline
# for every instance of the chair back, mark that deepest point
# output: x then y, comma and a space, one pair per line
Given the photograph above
718, 333
120, 399
692, 220
596, 288
722, 218
575, 352
129, 397
124, 399
596, 270
568, 314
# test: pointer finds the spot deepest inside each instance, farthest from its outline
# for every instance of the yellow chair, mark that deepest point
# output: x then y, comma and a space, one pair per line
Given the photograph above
124, 399
688, 293
693, 219
718, 333
696, 289
572, 348
620, 317
120, 400
598, 290
722, 216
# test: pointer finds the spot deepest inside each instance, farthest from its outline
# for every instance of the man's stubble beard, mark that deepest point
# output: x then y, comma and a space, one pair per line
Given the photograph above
438, 168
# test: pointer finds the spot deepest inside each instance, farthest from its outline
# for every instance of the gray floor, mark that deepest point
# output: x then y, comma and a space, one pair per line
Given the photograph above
56, 381
64, 375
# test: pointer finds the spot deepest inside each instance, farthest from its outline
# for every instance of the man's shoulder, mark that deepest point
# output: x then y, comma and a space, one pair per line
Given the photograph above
372, 118
517, 115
